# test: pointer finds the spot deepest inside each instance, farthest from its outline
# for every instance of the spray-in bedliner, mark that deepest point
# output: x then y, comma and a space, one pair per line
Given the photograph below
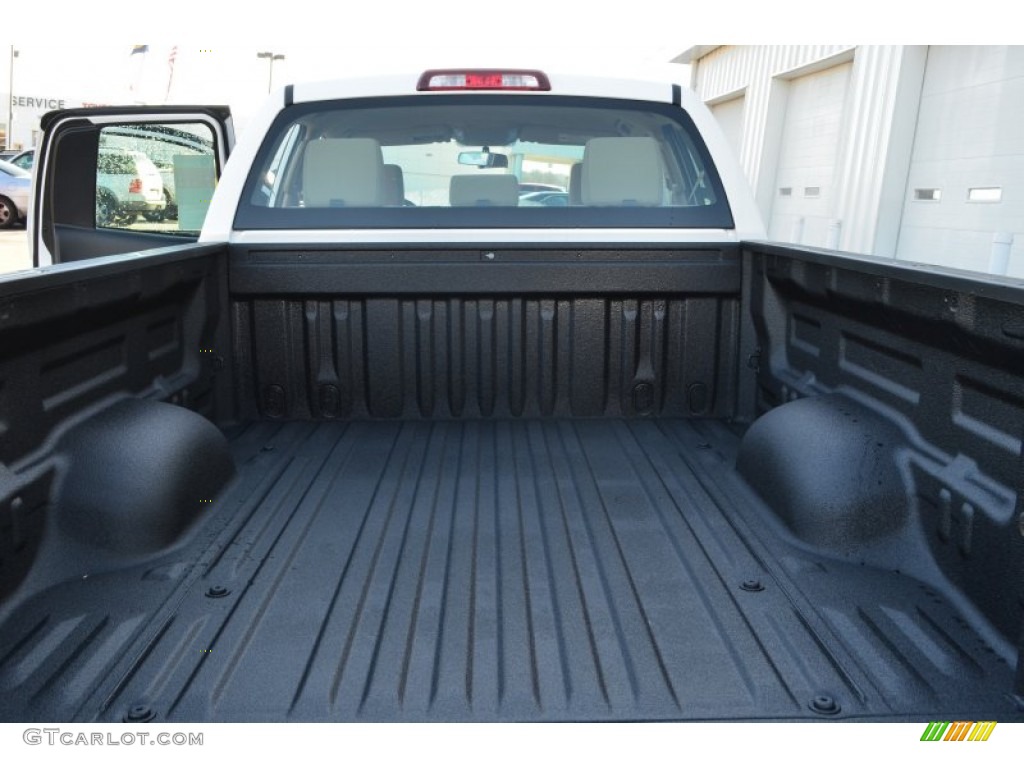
555, 570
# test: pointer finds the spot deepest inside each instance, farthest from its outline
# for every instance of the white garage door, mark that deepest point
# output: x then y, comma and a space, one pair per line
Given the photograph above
966, 180
729, 115
805, 180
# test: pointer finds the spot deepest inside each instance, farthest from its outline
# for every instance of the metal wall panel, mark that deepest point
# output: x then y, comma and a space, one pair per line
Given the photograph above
876, 132
730, 69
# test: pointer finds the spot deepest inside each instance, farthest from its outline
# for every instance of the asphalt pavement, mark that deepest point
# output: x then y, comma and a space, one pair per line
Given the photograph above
13, 249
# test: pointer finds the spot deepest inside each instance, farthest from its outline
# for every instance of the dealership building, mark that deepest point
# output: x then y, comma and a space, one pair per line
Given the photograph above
910, 152
24, 112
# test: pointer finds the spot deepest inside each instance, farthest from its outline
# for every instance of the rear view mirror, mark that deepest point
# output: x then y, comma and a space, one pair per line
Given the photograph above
484, 159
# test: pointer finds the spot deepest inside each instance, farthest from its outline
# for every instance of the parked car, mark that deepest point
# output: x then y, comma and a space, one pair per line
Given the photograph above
24, 159
170, 210
15, 186
548, 197
127, 184
526, 188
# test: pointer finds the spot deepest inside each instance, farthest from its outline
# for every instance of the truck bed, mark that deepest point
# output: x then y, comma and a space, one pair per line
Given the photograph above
495, 570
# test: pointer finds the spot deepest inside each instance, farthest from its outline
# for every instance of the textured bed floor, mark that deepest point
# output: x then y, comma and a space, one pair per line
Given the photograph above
563, 570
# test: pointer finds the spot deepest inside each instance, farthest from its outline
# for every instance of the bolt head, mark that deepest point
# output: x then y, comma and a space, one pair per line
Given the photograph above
825, 705
139, 713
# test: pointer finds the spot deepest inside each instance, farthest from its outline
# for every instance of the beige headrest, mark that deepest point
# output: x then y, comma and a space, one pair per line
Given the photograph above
343, 173
622, 171
484, 190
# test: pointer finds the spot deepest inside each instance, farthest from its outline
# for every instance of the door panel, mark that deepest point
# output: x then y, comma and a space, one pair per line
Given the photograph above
115, 180
805, 182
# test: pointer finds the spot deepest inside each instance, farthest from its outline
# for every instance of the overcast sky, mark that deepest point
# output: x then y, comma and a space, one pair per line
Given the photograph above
206, 73
232, 73
217, 43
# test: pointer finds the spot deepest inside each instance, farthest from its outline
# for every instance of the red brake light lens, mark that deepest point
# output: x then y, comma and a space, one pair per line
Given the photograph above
135, 186
483, 80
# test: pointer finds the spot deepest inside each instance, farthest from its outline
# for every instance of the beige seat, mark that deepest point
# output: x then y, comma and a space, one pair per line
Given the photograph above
343, 173
575, 182
394, 185
622, 171
477, 190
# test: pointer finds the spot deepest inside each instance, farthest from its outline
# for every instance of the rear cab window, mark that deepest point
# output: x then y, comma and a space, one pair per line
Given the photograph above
471, 161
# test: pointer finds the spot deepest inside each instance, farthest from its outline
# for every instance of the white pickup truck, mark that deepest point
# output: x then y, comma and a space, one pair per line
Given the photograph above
359, 437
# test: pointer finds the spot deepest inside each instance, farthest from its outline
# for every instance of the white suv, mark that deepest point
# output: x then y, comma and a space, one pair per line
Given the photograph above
127, 184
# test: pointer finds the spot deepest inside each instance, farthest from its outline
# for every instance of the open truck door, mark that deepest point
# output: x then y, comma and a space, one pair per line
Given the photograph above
113, 180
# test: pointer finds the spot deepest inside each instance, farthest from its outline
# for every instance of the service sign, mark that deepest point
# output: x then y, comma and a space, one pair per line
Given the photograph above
38, 102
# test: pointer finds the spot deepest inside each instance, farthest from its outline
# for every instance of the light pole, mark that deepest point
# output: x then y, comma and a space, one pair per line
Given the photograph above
10, 100
271, 57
